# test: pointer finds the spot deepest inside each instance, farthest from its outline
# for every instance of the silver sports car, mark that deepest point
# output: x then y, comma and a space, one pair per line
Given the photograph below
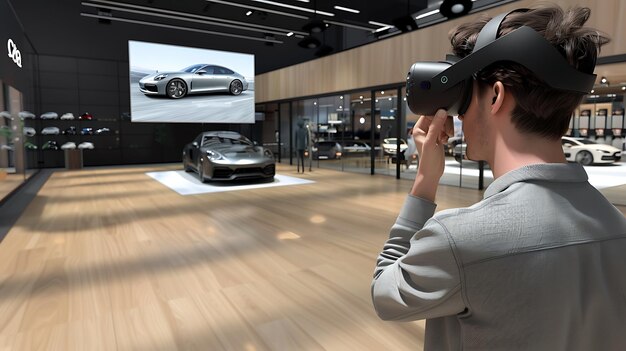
200, 78
227, 156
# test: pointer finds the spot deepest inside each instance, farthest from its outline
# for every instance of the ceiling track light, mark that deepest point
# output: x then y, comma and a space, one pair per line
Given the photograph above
258, 8
162, 25
455, 8
143, 10
346, 9
304, 9
348, 25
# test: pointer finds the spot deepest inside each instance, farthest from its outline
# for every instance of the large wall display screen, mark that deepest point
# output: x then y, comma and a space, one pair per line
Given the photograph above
180, 84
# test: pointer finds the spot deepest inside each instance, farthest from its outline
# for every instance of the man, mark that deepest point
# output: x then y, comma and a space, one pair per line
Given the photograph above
538, 264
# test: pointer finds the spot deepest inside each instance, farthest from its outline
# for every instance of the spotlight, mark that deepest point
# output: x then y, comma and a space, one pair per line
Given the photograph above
405, 24
623, 88
315, 26
289, 34
603, 80
455, 8
250, 12
309, 43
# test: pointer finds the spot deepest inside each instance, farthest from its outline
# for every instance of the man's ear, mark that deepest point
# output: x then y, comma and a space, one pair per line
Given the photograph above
499, 93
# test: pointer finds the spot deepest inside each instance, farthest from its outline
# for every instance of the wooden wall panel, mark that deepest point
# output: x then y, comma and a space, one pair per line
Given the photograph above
387, 61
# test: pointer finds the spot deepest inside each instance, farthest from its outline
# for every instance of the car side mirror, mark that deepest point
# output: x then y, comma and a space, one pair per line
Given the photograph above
195, 144
201, 72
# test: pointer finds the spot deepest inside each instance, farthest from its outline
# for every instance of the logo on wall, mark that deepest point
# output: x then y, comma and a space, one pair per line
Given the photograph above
14, 53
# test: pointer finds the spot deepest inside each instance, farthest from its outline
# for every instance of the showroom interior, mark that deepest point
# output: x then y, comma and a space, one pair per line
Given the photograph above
114, 236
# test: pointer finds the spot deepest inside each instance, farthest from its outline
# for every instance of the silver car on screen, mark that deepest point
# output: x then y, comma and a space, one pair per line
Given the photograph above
195, 79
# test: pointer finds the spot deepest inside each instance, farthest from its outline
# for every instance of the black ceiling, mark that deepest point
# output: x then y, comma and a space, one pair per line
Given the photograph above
72, 27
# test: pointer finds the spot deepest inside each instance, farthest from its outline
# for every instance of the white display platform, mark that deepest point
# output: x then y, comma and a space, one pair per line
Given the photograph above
188, 183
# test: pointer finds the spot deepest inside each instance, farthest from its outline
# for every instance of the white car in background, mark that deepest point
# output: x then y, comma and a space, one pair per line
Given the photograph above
390, 147
68, 146
588, 152
85, 145
49, 115
68, 115
26, 115
50, 131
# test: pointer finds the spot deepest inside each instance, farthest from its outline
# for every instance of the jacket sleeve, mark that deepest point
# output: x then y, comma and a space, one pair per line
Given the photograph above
417, 275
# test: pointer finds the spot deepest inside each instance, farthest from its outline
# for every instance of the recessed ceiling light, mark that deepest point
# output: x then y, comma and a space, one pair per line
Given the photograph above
314, 102
389, 99
593, 91
379, 24
623, 88
360, 96
295, 7
289, 34
341, 97
382, 92
347, 9
249, 13
429, 13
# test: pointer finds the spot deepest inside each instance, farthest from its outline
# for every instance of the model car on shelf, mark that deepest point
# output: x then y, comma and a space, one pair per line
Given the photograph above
50, 145
199, 78
88, 116
50, 131
49, 115
85, 145
26, 115
86, 131
6, 147
224, 155
68, 146
6, 115
326, 150
102, 131
67, 116
30, 146
70, 131
390, 146
588, 152
29, 131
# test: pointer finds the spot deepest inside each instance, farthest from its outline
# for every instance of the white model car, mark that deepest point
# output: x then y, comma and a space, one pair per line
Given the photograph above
6, 115
390, 147
29, 131
587, 152
68, 115
68, 146
26, 115
49, 115
85, 145
50, 131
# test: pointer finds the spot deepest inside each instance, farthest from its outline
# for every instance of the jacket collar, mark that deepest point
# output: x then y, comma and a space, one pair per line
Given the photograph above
550, 172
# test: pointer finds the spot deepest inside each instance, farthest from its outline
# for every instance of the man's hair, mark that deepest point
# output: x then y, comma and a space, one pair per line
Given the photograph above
540, 109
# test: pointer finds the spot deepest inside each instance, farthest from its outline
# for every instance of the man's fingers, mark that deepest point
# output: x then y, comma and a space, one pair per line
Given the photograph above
436, 127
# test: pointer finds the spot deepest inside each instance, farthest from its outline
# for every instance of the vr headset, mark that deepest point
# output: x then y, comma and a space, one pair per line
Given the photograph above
448, 84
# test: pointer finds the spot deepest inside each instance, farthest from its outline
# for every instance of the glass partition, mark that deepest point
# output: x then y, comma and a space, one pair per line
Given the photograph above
357, 146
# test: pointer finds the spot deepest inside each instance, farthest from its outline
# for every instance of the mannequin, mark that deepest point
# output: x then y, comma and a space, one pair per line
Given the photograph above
302, 143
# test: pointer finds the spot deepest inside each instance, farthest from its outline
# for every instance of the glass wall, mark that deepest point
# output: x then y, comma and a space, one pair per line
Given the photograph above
343, 134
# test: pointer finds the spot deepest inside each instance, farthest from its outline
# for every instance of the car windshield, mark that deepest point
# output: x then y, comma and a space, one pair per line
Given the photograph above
586, 141
225, 140
192, 69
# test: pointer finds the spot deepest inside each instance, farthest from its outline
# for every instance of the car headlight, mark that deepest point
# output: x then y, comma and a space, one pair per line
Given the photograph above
160, 77
314, 149
268, 153
603, 151
214, 155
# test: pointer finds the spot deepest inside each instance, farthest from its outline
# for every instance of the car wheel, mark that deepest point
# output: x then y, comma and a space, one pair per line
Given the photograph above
236, 87
176, 89
201, 172
457, 158
585, 158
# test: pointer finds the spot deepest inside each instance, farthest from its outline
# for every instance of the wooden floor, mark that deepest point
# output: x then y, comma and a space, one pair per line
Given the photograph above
109, 259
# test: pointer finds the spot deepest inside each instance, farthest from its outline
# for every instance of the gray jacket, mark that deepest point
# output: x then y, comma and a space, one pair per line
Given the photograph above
538, 264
